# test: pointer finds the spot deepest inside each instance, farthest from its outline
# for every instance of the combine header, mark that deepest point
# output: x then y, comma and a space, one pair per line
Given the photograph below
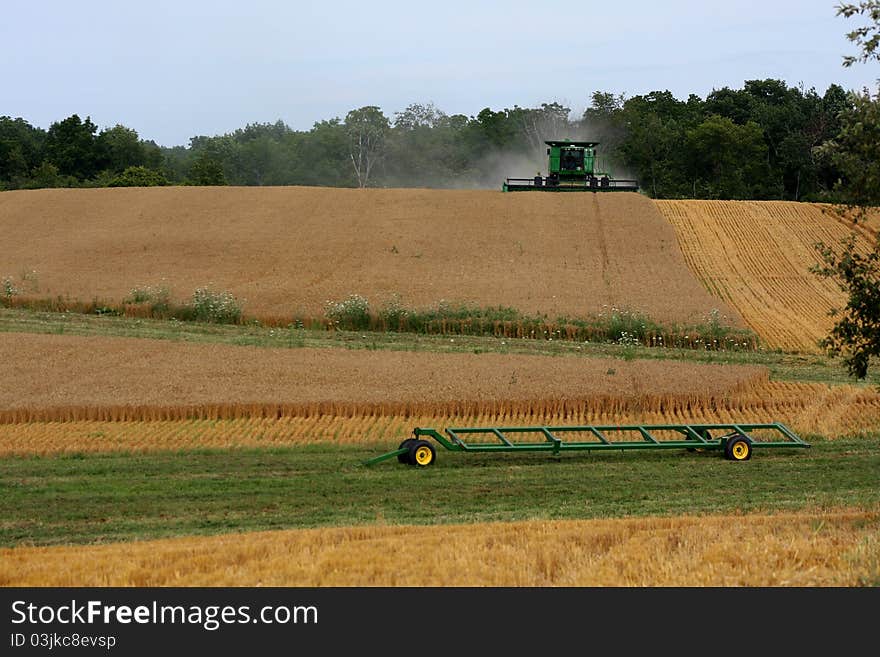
573, 167
735, 441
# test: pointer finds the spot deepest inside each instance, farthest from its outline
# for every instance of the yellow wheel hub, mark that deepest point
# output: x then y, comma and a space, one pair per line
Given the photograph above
423, 456
740, 451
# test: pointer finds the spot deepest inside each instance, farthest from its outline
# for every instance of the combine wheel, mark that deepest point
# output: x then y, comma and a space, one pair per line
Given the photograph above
421, 453
404, 458
738, 448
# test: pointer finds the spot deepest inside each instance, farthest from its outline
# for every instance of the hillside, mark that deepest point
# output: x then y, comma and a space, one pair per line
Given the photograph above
292, 249
756, 255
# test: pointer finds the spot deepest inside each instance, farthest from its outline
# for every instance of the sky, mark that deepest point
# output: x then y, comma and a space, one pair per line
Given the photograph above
176, 69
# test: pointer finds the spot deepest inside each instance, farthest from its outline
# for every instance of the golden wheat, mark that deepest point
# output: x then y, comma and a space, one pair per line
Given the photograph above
53, 377
757, 257
288, 250
809, 409
826, 548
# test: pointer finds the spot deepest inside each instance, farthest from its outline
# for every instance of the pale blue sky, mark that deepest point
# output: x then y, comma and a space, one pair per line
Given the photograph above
172, 69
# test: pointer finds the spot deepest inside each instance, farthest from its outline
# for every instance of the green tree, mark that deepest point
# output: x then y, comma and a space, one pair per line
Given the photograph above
120, 148
866, 37
418, 148
856, 153
725, 157
795, 161
206, 171
21, 147
322, 156
649, 148
417, 115
46, 175
495, 128
856, 150
367, 130
856, 334
213, 161
734, 104
138, 177
648, 138
71, 146
258, 154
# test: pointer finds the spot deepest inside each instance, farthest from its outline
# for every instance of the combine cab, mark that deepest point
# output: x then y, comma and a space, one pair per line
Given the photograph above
573, 167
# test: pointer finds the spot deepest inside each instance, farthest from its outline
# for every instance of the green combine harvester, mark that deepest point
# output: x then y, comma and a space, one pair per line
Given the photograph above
573, 167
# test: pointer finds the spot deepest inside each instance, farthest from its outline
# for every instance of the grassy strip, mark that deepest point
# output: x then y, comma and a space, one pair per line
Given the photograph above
815, 368
612, 325
115, 497
616, 325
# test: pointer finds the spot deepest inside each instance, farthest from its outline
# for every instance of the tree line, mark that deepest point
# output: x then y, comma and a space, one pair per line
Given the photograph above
763, 141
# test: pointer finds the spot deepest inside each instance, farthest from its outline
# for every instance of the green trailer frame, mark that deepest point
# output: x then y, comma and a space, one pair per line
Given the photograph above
736, 440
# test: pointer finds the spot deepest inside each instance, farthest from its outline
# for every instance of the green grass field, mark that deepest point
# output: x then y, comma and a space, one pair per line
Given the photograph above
812, 368
117, 497
120, 496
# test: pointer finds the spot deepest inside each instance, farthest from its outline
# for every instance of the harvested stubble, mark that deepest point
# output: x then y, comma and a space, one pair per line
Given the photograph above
288, 250
809, 409
860, 220
829, 548
52, 378
757, 255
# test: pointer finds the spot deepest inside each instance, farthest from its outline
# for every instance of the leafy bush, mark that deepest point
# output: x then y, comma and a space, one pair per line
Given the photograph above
350, 313
138, 177
393, 314
217, 307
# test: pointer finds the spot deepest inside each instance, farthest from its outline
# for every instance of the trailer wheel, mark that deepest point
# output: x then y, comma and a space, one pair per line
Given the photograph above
421, 453
404, 458
738, 448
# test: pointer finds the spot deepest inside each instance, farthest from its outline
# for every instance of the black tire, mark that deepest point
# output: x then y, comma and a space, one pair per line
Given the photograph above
422, 453
404, 458
738, 448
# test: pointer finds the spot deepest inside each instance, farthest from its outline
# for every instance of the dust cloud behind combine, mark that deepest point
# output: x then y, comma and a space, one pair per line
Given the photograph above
499, 163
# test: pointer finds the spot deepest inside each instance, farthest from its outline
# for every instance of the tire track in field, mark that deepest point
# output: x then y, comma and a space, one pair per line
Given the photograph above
603, 247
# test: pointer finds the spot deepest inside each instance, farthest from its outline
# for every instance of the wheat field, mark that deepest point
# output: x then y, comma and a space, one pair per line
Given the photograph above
292, 249
756, 256
288, 250
59, 377
824, 548
808, 409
